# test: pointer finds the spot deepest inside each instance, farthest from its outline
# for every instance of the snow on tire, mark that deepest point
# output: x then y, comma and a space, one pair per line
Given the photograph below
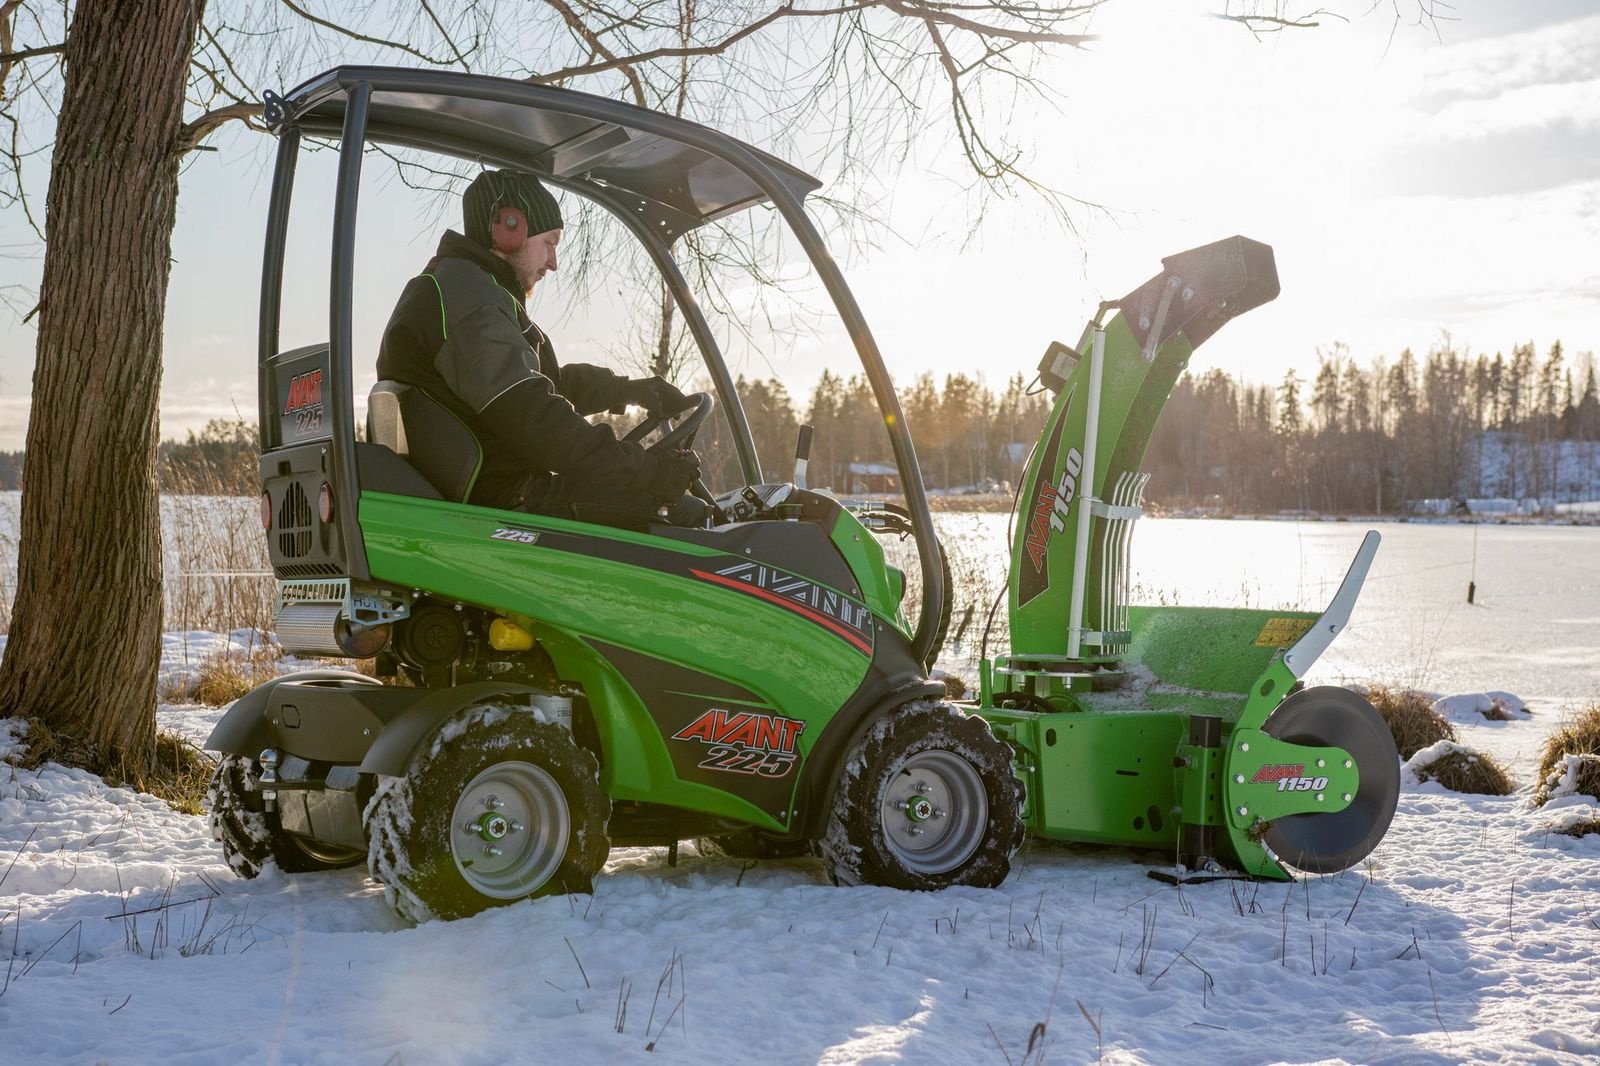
501, 806
927, 800
251, 836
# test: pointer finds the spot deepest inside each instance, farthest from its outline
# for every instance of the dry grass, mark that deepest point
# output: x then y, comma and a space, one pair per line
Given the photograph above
1580, 828
10, 522
1499, 712
1585, 778
955, 687
1581, 736
217, 574
179, 775
222, 677
1470, 772
1411, 719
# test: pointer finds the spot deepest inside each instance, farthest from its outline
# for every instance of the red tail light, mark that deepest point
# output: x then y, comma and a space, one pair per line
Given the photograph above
325, 503
266, 511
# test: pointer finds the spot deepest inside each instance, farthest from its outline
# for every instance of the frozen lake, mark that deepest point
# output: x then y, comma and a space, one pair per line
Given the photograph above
1537, 602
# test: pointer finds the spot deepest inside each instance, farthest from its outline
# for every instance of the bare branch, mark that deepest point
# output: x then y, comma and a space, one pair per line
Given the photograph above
933, 13
1259, 24
786, 11
14, 156
192, 133
460, 58
588, 36
363, 38
8, 58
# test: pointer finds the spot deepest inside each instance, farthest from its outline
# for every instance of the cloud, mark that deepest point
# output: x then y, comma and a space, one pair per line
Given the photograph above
1492, 66
1575, 105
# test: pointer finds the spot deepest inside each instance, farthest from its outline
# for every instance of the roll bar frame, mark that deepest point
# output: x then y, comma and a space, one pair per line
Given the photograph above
339, 104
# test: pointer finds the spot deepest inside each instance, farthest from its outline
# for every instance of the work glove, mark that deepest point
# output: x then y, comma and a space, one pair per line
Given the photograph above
675, 472
656, 395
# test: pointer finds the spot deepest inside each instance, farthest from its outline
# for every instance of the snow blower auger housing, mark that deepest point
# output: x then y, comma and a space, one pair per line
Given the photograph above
753, 684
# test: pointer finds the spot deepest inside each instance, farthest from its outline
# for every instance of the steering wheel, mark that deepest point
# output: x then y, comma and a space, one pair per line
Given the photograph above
681, 436
677, 436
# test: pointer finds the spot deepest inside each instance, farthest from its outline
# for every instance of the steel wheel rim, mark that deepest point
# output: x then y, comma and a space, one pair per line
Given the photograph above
941, 794
331, 854
532, 840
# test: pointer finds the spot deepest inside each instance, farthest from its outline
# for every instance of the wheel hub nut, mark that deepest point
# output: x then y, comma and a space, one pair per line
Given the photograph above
920, 809
490, 827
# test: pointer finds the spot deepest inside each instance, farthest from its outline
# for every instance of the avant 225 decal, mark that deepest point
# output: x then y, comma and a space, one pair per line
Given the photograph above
745, 742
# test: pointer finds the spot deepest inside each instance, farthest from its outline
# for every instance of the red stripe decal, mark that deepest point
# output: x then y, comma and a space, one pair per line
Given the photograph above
822, 619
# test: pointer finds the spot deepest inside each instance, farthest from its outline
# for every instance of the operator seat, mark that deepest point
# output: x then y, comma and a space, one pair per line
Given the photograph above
425, 433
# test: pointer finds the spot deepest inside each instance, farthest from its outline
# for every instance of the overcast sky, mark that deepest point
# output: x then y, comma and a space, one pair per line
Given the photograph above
1409, 185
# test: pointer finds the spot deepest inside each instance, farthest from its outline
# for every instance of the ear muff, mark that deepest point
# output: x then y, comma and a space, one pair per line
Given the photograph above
508, 230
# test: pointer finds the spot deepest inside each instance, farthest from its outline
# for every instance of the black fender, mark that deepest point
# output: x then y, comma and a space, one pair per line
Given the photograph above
895, 678
392, 751
814, 799
246, 728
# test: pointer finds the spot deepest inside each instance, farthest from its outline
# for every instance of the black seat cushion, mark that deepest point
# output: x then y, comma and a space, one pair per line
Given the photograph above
426, 434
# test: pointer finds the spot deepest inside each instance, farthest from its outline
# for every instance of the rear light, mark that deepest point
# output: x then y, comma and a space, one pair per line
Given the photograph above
266, 511
325, 503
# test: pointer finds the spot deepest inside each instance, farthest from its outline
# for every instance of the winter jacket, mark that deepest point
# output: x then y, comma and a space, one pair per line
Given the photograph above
462, 335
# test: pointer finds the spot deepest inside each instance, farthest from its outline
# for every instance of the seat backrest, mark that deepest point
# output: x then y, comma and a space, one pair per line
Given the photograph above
426, 434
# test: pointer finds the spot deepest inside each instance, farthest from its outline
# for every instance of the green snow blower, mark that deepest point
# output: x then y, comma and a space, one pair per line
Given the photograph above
553, 688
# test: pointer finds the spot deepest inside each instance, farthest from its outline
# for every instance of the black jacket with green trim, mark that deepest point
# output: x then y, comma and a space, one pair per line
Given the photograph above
462, 335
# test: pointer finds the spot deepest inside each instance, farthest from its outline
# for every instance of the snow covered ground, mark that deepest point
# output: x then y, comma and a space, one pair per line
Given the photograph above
1471, 935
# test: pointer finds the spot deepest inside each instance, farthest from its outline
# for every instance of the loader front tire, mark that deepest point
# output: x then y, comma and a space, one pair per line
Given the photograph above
927, 800
499, 807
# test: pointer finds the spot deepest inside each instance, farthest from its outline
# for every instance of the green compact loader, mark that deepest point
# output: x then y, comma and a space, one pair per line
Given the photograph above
554, 687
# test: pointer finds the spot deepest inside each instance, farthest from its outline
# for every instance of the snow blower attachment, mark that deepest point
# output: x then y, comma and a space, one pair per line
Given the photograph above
752, 684
1179, 728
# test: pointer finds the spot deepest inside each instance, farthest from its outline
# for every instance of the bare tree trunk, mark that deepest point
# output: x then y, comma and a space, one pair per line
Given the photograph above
86, 629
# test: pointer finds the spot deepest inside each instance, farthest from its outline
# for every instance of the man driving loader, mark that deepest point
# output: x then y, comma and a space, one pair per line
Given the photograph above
461, 333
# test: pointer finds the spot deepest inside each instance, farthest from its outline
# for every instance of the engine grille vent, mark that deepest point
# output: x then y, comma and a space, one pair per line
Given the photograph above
290, 570
294, 523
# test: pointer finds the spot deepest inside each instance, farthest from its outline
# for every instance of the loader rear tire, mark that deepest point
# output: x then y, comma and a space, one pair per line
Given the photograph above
252, 836
927, 800
500, 807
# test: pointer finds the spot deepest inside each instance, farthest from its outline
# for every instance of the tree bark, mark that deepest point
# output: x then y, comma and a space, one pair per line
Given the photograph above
86, 625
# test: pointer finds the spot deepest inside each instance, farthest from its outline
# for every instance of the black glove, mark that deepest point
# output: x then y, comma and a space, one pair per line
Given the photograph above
675, 471
656, 395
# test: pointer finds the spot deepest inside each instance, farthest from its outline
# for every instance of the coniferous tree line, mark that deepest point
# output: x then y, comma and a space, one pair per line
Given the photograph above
1371, 438
966, 436
1354, 438
10, 470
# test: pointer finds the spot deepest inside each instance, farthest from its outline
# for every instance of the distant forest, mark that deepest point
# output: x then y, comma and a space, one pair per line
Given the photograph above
1357, 439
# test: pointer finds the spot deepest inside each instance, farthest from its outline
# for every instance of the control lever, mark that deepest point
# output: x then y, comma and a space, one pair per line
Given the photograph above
802, 455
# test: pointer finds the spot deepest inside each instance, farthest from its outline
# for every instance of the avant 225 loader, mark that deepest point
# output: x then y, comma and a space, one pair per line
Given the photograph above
753, 684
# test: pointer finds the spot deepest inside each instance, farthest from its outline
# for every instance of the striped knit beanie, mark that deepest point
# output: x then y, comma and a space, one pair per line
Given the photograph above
494, 189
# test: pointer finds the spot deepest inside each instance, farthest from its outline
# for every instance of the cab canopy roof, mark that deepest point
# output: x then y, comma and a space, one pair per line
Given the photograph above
670, 173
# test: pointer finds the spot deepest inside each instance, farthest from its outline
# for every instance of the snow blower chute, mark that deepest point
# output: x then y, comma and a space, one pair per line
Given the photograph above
550, 687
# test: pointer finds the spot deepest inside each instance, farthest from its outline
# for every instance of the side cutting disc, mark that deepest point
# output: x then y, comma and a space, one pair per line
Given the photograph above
1336, 717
